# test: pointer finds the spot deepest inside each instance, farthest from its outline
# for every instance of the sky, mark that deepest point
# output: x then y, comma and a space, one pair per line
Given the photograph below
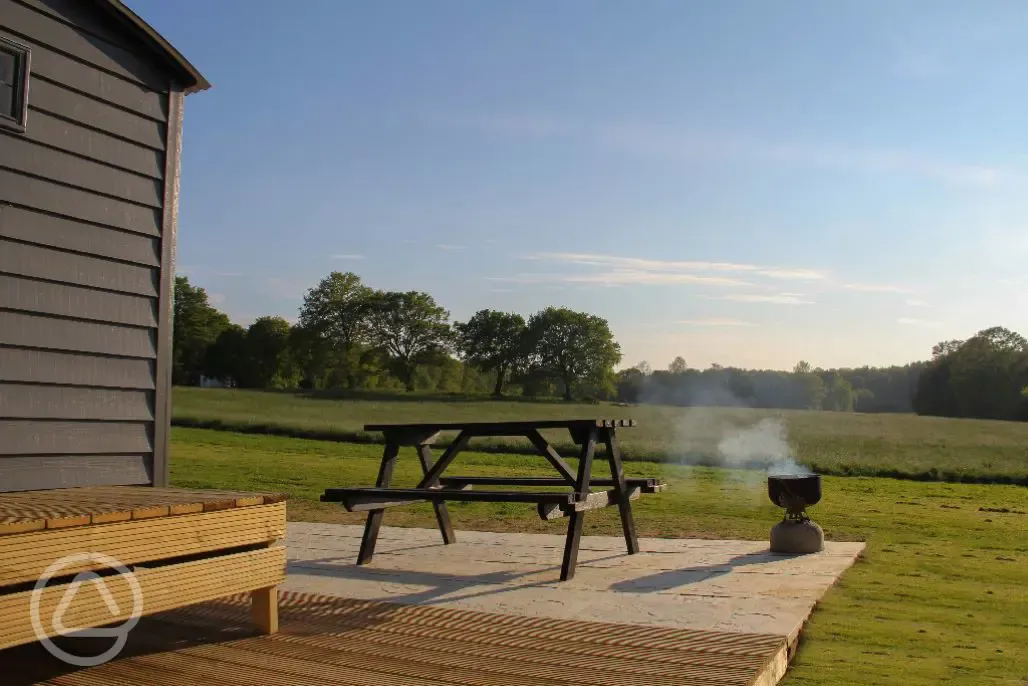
744, 183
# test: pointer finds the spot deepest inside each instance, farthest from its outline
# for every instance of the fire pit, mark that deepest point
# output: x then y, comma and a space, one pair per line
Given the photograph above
796, 533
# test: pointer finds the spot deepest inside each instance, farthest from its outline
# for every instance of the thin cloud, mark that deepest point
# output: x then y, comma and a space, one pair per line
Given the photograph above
216, 298
624, 277
909, 321
348, 256
792, 274
773, 299
714, 322
627, 277
911, 302
447, 246
875, 288
620, 270
646, 264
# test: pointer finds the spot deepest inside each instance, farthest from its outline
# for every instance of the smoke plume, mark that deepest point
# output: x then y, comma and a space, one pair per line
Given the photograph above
763, 445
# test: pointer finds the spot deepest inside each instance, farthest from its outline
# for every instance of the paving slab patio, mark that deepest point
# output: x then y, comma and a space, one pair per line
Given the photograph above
727, 586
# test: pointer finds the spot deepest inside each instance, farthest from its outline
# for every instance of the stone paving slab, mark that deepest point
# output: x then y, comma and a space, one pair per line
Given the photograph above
734, 586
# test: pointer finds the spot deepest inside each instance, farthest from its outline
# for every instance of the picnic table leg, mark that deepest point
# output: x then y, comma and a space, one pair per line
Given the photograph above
442, 515
576, 521
617, 473
374, 523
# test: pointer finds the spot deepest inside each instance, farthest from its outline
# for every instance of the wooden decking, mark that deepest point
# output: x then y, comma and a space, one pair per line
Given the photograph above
62, 508
157, 549
326, 640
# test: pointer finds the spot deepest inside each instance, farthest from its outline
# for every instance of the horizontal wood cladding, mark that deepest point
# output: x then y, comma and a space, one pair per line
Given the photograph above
46, 229
31, 331
71, 301
18, 401
45, 263
74, 369
73, 202
84, 16
66, 103
69, 471
29, 157
31, 437
72, 74
48, 29
97, 146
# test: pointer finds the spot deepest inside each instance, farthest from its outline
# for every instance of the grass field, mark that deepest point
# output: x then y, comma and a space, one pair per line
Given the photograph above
903, 446
940, 596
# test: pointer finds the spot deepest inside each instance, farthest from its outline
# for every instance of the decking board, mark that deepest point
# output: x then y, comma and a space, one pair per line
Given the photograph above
329, 640
24, 557
162, 588
103, 504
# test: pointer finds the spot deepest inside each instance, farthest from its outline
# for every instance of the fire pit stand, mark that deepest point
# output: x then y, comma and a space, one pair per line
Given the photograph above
796, 533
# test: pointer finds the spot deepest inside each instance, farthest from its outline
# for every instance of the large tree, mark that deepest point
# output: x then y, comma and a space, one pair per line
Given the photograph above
411, 329
196, 325
983, 377
226, 358
573, 346
493, 341
269, 363
334, 317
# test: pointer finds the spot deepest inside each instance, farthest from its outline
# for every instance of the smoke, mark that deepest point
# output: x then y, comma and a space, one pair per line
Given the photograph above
764, 445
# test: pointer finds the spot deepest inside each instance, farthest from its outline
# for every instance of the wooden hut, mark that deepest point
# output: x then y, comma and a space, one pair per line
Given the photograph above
91, 102
90, 128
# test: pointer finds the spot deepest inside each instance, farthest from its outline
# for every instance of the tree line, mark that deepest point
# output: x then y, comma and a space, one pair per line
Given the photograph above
984, 377
351, 336
864, 389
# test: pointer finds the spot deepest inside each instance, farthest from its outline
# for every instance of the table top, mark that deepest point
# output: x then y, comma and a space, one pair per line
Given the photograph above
519, 425
65, 507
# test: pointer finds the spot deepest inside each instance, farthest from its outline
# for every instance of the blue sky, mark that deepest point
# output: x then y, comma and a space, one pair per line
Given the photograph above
747, 183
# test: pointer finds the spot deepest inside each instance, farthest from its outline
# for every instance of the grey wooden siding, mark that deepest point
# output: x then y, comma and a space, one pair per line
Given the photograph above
85, 254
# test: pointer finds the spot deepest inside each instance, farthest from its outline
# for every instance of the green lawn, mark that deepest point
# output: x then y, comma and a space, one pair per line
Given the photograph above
941, 595
838, 443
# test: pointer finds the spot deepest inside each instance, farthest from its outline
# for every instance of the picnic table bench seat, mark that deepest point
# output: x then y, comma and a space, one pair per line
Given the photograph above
573, 502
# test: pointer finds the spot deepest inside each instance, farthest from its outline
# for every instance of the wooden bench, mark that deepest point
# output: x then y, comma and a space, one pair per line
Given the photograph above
180, 547
437, 489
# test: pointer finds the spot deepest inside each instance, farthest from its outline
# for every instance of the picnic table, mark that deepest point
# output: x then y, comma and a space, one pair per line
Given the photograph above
572, 502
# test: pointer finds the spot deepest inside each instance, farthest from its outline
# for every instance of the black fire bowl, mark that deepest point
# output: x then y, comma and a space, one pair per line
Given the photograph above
792, 490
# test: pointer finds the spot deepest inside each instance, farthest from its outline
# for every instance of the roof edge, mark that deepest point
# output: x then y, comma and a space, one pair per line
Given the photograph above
196, 82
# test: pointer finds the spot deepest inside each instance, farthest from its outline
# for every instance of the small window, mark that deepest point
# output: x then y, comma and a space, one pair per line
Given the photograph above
14, 84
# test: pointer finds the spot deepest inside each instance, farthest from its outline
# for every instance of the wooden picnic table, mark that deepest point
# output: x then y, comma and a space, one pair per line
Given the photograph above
573, 503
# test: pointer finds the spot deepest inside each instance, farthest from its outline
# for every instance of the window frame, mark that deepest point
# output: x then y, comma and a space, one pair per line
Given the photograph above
23, 67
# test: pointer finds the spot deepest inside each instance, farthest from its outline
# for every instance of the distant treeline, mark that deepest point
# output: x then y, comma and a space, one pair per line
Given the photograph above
866, 389
350, 336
